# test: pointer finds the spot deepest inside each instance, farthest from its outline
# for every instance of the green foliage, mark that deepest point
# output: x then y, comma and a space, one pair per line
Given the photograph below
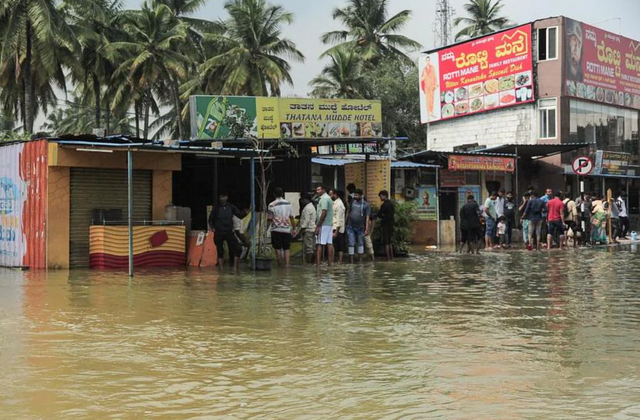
405, 214
253, 52
369, 31
343, 78
484, 18
396, 85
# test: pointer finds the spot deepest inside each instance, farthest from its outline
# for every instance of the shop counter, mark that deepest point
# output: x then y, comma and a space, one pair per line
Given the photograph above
153, 246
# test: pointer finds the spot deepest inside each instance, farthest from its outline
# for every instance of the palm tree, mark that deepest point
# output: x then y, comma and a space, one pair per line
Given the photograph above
150, 59
342, 78
484, 18
91, 21
37, 41
252, 50
370, 31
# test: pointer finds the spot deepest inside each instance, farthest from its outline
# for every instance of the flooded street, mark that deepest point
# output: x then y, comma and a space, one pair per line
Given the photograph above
442, 336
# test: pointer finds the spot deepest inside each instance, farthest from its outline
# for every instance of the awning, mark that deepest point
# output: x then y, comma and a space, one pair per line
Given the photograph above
433, 154
537, 151
332, 162
401, 164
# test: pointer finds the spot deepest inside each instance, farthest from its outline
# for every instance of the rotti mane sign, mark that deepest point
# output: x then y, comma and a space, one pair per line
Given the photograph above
494, 71
287, 117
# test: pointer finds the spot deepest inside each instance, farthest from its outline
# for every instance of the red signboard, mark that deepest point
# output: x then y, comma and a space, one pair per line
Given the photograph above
601, 66
491, 72
481, 163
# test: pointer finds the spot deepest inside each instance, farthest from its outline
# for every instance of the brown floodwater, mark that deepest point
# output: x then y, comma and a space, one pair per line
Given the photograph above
438, 336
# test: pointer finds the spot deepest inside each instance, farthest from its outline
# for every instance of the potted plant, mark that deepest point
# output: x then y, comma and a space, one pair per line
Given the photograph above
241, 127
405, 214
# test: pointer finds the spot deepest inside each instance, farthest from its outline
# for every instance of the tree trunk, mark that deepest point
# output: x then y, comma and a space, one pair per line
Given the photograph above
29, 100
96, 92
178, 105
107, 116
136, 106
146, 119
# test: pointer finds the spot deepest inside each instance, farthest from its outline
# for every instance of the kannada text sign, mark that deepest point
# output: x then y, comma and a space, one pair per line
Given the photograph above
491, 72
601, 66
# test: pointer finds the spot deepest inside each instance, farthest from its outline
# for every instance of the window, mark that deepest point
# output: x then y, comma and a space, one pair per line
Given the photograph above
547, 118
610, 128
548, 44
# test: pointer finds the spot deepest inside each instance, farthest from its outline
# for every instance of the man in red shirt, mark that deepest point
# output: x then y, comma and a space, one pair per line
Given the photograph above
555, 219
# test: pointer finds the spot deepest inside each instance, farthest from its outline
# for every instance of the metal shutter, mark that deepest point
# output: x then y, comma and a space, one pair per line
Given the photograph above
102, 189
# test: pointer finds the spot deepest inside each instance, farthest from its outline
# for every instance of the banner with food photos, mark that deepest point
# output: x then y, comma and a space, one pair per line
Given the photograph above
601, 66
491, 72
288, 118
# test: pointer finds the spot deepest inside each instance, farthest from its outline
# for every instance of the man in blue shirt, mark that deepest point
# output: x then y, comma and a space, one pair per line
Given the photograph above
533, 211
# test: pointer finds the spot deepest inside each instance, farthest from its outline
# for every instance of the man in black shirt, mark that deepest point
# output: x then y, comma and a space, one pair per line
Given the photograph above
386, 215
470, 225
221, 222
510, 215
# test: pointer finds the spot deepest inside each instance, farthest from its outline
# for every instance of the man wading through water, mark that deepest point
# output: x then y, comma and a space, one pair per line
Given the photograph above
470, 225
324, 226
221, 222
358, 225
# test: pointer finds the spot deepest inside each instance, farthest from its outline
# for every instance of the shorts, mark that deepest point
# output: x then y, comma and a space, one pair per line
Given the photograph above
555, 227
368, 246
470, 234
385, 234
309, 241
490, 232
535, 228
338, 242
356, 237
281, 241
326, 236
232, 243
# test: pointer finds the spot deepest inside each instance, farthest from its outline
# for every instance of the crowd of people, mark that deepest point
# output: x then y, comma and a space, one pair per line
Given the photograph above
545, 222
330, 225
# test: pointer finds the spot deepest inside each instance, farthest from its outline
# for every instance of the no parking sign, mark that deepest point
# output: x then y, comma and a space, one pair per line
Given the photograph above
582, 165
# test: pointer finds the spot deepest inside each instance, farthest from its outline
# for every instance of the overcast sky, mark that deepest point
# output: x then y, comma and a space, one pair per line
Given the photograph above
313, 18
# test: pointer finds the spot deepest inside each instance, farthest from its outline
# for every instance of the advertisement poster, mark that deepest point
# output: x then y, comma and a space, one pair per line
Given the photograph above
481, 163
495, 71
466, 191
23, 180
611, 163
290, 118
601, 66
427, 201
378, 178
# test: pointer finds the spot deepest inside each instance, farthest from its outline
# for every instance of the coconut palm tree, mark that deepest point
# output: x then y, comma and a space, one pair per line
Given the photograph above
151, 59
37, 41
91, 22
253, 52
370, 31
342, 78
484, 18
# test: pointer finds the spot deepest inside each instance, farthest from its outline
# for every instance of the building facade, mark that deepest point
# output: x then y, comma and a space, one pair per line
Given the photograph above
584, 87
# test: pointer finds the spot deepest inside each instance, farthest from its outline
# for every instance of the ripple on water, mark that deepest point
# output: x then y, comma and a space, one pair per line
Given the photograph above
500, 335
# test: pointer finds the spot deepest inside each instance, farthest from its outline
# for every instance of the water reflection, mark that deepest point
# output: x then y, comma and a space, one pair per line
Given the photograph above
504, 335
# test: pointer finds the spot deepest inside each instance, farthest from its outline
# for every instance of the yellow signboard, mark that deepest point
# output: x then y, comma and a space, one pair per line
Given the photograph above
287, 117
378, 179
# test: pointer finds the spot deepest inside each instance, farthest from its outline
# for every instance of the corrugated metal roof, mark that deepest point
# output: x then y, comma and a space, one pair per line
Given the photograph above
537, 150
332, 162
401, 164
434, 153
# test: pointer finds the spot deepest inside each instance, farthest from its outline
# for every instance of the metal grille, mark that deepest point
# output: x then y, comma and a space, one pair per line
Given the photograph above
102, 189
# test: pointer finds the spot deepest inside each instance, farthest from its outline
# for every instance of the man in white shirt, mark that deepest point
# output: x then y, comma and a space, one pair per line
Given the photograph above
281, 218
307, 227
339, 214
621, 202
